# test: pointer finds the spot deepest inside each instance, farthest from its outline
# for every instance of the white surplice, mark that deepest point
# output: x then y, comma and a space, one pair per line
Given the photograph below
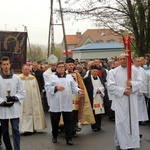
17, 89
61, 100
110, 96
142, 109
148, 84
46, 75
116, 86
98, 102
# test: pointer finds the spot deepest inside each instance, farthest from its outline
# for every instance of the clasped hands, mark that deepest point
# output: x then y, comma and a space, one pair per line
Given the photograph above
10, 101
128, 90
61, 88
12, 98
98, 91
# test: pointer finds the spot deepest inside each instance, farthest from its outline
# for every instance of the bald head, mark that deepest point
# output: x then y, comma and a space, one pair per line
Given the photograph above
90, 63
123, 55
123, 60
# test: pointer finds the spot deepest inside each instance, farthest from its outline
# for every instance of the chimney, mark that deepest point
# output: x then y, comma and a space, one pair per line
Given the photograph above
78, 34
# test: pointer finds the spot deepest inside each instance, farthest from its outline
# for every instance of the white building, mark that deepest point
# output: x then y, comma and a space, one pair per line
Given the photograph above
98, 50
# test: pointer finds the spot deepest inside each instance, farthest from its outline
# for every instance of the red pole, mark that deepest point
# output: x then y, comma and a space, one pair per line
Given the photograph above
126, 41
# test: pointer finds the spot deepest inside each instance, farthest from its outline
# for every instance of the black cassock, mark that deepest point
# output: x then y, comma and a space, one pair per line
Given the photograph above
89, 87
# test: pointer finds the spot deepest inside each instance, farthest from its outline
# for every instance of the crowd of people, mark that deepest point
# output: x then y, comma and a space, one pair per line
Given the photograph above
74, 93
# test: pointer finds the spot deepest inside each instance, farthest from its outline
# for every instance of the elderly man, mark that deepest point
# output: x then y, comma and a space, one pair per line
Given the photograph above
95, 88
81, 114
90, 63
127, 130
32, 114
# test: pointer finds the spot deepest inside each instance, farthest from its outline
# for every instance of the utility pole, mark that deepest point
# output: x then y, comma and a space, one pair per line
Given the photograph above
51, 30
63, 27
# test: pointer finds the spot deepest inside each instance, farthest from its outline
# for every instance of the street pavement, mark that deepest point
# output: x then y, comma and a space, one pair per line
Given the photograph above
86, 140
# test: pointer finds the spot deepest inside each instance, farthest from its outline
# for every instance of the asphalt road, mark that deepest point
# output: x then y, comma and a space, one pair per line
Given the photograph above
86, 140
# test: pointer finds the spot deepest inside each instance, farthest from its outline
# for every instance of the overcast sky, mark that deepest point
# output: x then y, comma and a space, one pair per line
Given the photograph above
35, 14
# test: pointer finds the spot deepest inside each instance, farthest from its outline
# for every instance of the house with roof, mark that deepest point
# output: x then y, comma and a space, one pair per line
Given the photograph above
98, 50
94, 43
91, 36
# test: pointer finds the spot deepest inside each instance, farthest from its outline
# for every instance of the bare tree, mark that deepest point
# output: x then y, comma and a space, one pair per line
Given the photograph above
119, 15
36, 53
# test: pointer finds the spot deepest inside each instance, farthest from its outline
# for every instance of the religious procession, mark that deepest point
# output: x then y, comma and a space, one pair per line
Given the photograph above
85, 85
75, 94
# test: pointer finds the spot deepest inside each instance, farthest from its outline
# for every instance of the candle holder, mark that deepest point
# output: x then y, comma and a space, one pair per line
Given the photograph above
8, 93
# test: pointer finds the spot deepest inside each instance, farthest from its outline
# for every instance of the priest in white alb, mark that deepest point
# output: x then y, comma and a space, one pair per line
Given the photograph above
32, 114
142, 109
127, 131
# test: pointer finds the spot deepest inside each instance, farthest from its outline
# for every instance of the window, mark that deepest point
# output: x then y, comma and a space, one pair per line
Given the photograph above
111, 40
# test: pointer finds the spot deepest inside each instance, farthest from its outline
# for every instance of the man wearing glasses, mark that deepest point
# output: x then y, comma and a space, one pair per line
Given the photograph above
60, 87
